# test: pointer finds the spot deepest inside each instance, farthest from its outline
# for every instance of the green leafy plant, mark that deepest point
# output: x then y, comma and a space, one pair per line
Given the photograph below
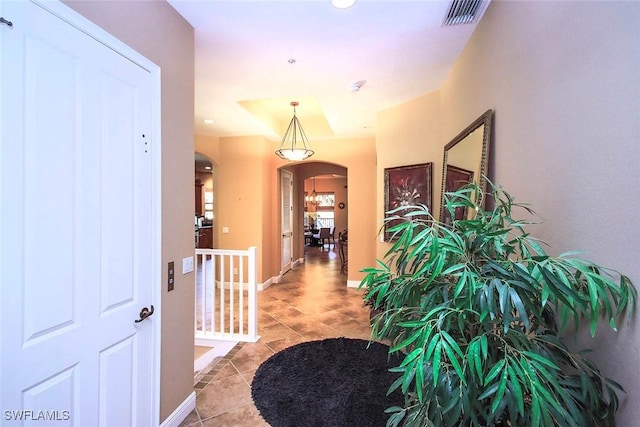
480, 313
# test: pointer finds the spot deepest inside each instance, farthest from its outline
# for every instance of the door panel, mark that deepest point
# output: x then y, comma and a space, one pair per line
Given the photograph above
117, 198
47, 309
76, 254
55, 392
117, 384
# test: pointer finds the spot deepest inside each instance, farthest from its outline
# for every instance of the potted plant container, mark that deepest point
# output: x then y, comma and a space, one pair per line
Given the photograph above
481, 315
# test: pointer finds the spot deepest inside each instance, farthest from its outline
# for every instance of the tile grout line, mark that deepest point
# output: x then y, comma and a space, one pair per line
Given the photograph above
216, 365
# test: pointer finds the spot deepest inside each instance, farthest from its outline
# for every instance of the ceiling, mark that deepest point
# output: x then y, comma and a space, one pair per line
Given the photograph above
203, 164
253, 58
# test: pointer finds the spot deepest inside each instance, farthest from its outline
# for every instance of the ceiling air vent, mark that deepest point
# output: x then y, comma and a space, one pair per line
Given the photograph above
464, 12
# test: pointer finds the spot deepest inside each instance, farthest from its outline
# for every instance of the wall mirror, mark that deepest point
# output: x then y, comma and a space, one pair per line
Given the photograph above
466, 160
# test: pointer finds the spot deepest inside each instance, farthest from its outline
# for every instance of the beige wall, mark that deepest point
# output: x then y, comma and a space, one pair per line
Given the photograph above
157, 31
243, 202
563, 81
408, 134
248, 195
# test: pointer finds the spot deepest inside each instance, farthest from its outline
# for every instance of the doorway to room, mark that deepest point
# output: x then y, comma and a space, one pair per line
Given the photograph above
322, 218
320, 207
205, 206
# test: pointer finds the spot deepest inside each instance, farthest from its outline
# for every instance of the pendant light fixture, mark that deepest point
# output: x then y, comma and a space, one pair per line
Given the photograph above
295, 145
313, 199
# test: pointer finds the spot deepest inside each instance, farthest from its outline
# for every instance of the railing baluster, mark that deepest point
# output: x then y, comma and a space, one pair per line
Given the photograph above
204, 299
198, 282
222, 277
211, 290
241, 296
218, 267
231, 302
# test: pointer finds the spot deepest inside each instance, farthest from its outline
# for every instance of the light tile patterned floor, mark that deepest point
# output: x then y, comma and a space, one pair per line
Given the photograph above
312, 302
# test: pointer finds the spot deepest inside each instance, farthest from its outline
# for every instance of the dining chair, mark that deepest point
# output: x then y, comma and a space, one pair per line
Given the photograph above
332, 236
324, 234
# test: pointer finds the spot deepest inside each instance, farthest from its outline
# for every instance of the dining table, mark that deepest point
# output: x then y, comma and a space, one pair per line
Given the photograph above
309, 240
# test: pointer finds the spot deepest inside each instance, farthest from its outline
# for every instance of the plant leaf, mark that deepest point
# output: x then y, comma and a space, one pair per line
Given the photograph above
519, 306
410, 357
494, 371
500, 392
437, 355
517, 393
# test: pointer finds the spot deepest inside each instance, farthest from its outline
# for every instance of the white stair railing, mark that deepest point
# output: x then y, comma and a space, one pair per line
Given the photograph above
226, 300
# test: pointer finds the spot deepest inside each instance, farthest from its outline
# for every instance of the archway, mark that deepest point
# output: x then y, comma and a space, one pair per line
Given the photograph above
205, 208
334, 180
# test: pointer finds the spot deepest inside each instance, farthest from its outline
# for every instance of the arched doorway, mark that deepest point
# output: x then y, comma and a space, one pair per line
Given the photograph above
204, 202
325, 204
330, 178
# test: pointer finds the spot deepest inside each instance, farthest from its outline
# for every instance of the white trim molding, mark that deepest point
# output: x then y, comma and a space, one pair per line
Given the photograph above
264, 285
182, 412
353, 283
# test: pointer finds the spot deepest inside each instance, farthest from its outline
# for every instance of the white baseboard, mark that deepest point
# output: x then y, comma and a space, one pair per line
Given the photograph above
353, 283
276, 279
260, 287
264, 285
181, 412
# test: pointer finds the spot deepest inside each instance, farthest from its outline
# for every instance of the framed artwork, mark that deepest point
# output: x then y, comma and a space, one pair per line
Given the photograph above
406, 186
456, 178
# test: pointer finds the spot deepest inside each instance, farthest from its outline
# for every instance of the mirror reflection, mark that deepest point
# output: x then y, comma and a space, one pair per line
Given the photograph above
466, 161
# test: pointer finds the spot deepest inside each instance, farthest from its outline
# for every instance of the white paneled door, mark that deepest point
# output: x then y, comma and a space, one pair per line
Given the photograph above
76, 226
286, 195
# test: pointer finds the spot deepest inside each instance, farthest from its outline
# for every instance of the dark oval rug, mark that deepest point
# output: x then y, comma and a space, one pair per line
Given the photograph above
333, 382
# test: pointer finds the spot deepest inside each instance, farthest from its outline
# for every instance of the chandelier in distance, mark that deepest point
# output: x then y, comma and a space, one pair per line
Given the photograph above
313, 199
295, 145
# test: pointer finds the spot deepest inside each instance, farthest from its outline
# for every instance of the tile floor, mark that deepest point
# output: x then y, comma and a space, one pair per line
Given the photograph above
312, 302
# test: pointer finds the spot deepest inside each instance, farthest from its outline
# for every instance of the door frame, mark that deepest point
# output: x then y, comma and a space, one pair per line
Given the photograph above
283, 173
94, 31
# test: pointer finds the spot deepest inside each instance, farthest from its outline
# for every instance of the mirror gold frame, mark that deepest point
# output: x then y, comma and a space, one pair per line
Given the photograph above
466, 159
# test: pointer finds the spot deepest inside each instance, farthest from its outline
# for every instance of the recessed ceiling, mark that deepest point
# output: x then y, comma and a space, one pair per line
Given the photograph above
276, 114
254, 57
